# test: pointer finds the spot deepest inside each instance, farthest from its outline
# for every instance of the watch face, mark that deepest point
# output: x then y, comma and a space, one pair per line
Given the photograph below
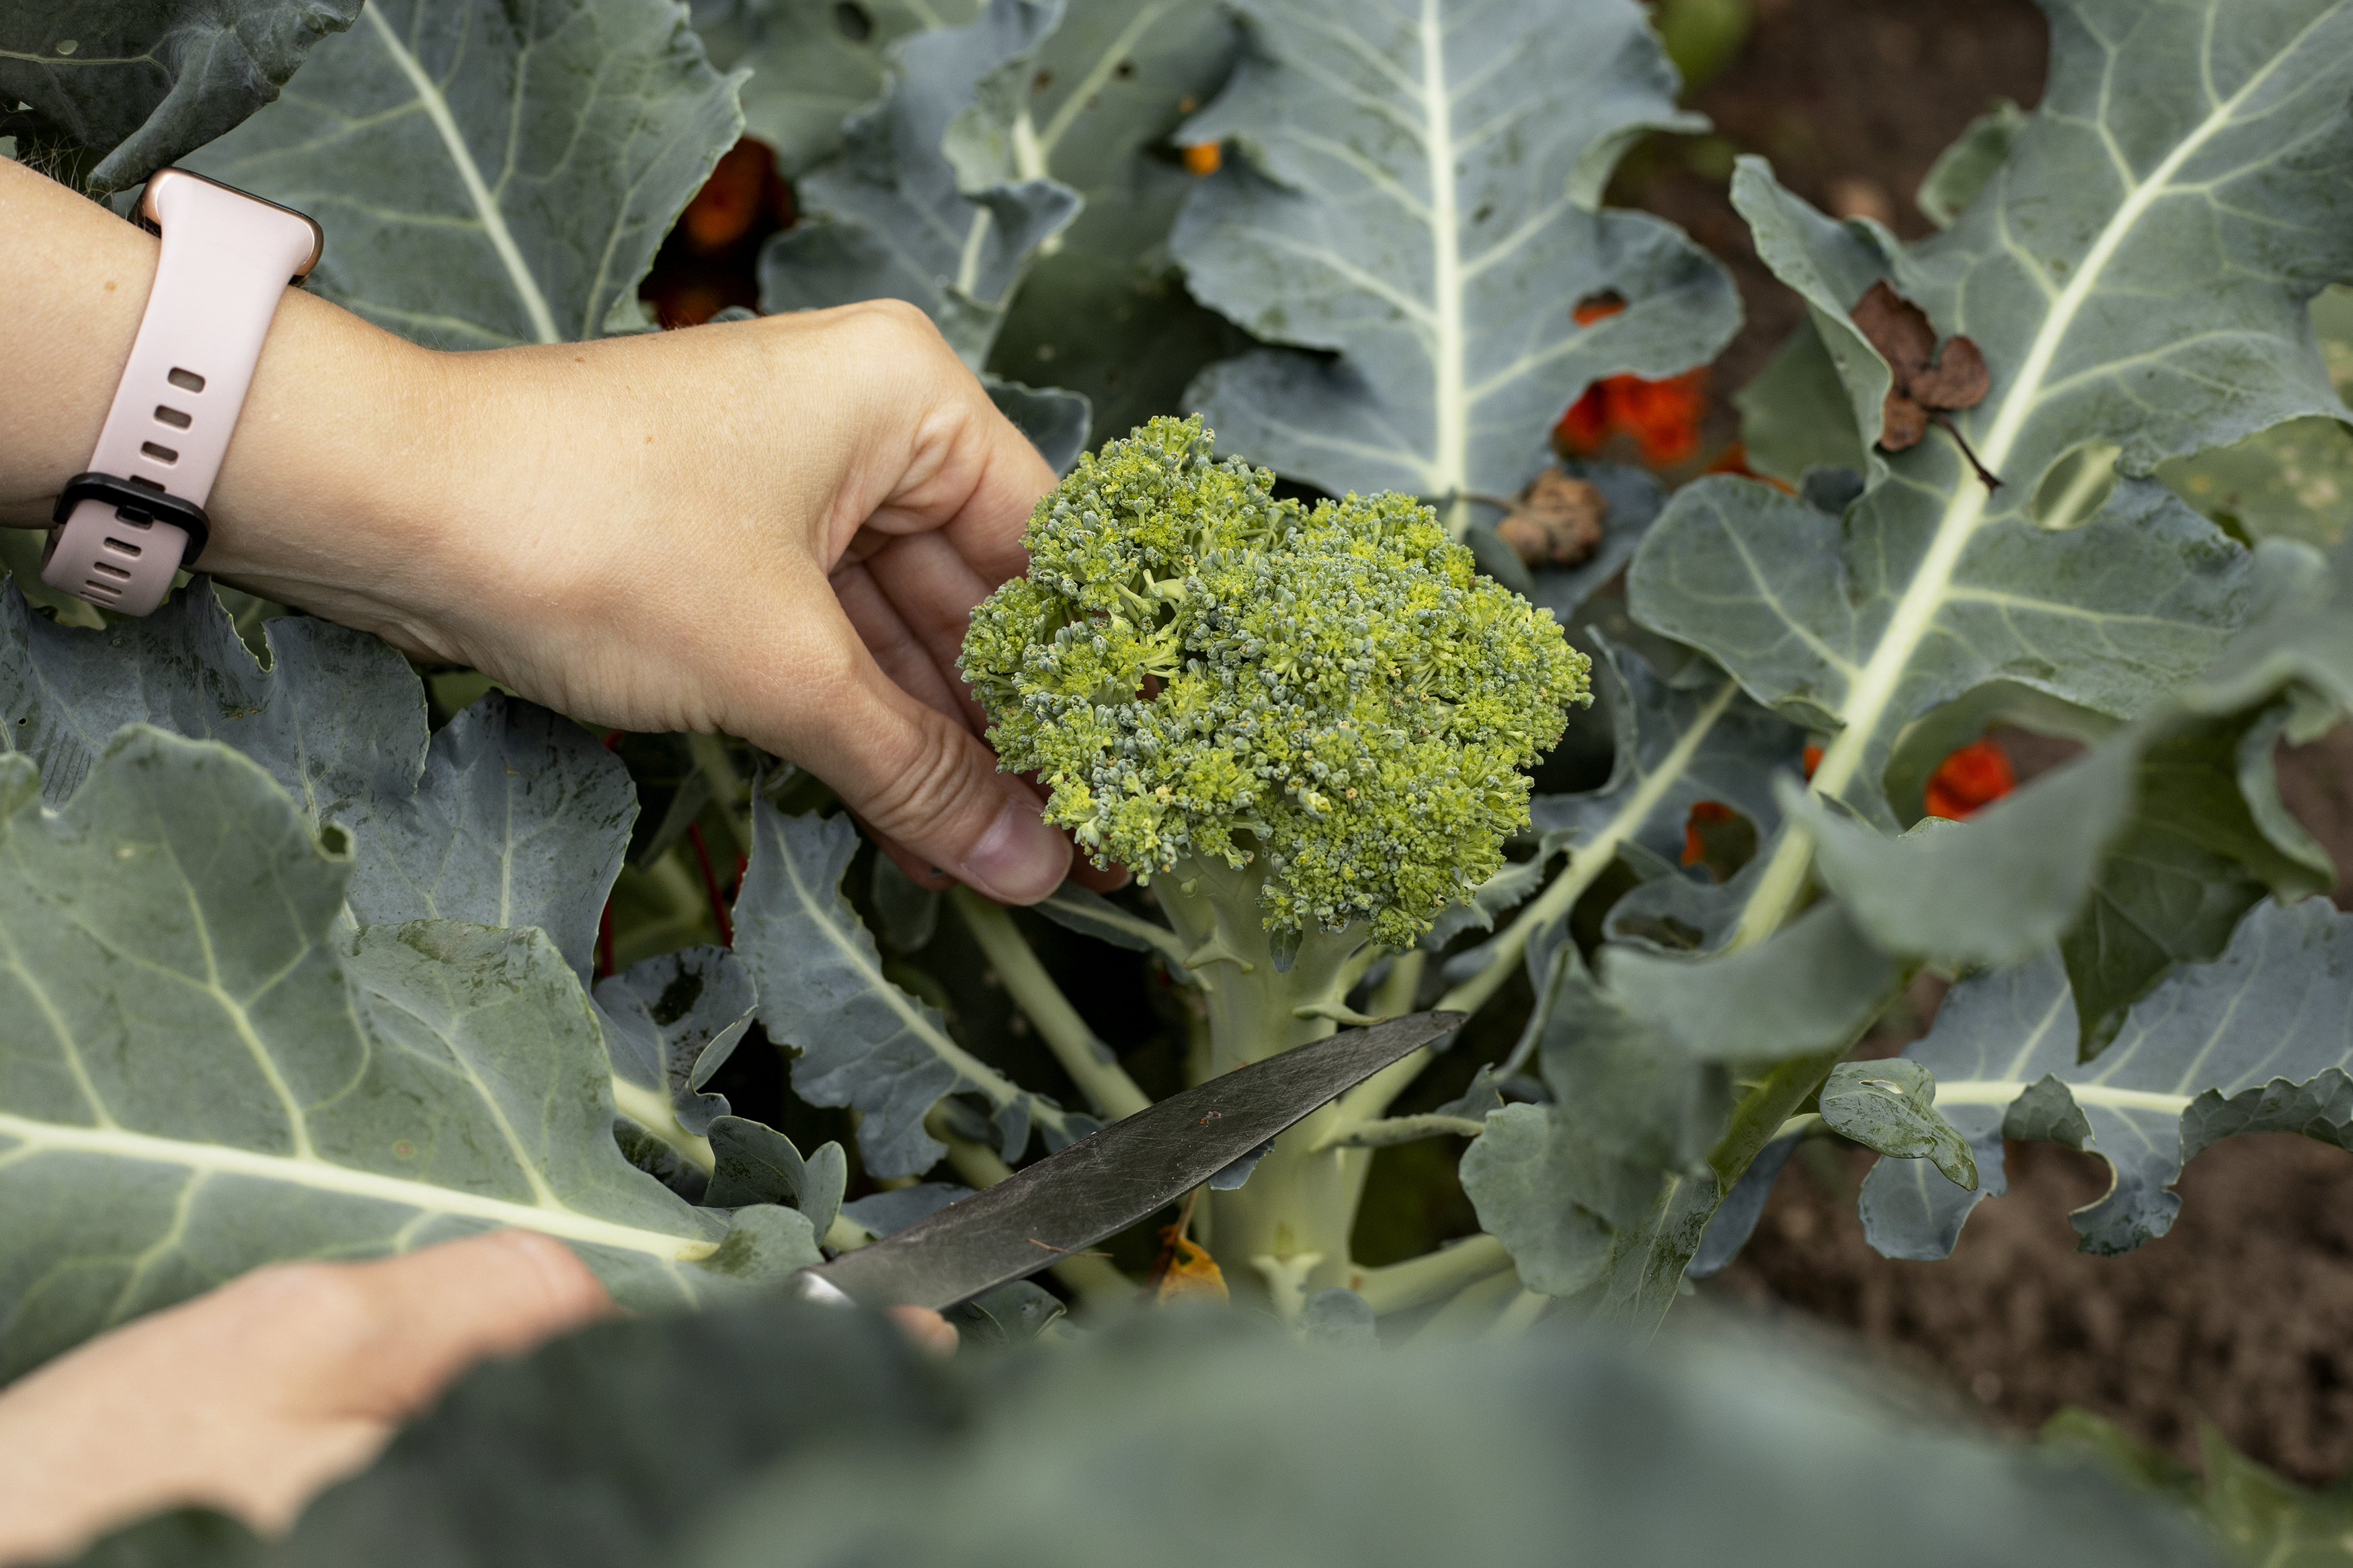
162, 179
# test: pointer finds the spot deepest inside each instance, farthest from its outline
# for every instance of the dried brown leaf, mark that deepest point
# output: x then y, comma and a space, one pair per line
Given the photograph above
1557, 522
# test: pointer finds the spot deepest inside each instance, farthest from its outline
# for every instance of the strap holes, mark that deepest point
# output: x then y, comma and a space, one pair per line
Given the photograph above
112, 590
144, 483
187, 381
121, 515
172, 416
123, 545
161, 454
110, 571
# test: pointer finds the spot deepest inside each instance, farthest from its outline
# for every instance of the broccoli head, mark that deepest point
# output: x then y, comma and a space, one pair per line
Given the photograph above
1198, 669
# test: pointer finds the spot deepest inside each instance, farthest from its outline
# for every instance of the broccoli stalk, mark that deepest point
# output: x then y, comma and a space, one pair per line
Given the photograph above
1303, 728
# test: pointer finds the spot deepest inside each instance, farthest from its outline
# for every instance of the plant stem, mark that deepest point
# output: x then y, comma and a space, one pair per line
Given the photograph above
1398, 1286
1402, 1130
1086, 1059
1283, 1234
727, 786
654, 1113
1394, 996
1519, 1316
1457, 1319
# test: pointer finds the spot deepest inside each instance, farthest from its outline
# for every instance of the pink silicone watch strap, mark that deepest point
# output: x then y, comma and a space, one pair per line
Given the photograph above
227, 258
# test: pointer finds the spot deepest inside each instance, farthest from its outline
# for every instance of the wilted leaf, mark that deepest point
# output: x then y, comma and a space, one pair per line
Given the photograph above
258, 1085
862, 1041
1890, 1105
141, 85
1926, 379
1632, 500
1422, 193
489, 175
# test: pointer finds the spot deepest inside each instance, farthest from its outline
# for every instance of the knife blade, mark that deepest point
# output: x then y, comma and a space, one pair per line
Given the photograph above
1106, 1182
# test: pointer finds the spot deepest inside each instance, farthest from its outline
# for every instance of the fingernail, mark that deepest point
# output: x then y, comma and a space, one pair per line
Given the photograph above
1019, 860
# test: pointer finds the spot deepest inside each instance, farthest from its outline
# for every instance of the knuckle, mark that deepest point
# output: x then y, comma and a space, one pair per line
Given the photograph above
926, 778
327, 1300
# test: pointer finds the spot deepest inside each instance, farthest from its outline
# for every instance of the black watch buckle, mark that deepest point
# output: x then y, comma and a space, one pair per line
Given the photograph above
135, 502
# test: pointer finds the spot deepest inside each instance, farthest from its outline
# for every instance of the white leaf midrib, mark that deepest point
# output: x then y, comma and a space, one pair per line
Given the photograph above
33, 1138
493, 220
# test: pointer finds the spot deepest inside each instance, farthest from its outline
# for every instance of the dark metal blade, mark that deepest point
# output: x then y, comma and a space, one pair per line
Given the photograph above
1105, 1183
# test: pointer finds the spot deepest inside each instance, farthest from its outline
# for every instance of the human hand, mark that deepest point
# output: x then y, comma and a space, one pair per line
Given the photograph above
775, 529
255, 1398
252, 1398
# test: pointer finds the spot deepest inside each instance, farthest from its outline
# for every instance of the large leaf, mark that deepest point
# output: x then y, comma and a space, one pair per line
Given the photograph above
491, 174
2099, 273
1420, 192
893, 217
510, 816
140, 85
2261, 1040
813, 63
2143, 853
862, 1041
1103, 310
209, 1074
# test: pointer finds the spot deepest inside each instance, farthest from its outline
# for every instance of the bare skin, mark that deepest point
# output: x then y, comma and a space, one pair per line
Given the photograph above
255, 1396
775, 529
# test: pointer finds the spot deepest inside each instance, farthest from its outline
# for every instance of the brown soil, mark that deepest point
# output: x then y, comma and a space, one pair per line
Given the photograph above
2243, 1315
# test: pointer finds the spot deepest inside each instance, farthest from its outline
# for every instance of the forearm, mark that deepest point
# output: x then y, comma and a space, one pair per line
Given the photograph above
334, 456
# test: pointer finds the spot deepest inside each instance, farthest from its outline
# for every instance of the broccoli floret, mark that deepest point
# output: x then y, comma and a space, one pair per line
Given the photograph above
1199, 671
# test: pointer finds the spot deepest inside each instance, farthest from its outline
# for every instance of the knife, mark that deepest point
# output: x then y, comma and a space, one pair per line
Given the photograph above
1106, 1182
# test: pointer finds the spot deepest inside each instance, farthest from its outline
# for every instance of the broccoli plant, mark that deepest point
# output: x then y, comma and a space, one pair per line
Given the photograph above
1388, 709
1305, 728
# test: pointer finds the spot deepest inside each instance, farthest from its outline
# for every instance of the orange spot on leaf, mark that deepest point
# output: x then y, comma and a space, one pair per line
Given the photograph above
1813, 760
1203, 157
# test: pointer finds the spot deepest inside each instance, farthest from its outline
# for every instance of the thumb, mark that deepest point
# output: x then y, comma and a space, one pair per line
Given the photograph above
917, 777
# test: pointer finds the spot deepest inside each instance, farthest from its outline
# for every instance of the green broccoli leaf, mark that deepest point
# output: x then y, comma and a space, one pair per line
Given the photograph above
216, 1075
1420, 192
669, 1023
861, 1040
813, 63
754, 1163
2254, 1042
893, 217
1103, 310
510, 816
2131, 328
487, 176
2293, 480
1795, 414
136, 85
1890, 1105
2143, 853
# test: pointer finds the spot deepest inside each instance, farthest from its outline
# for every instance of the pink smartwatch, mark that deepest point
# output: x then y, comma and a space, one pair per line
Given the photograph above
121, 530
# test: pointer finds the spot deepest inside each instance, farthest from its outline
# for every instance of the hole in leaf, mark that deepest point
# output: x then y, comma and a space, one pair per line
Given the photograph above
1719, 839
1595, 307
2073, 488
